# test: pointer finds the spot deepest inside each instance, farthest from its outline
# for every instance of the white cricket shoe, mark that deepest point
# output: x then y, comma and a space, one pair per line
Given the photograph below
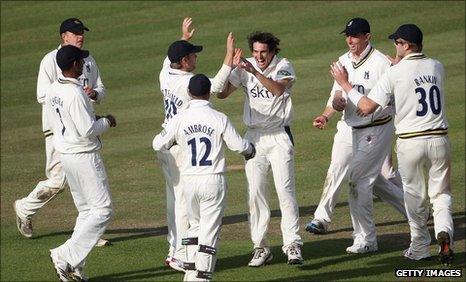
77, 274
102, 243
293, 251
261, 256
408, 253
176, 264
361, 248
24, 225
62, 268
317, 226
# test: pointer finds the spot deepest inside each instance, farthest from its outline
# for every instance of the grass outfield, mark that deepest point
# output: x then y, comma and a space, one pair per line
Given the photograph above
129, 41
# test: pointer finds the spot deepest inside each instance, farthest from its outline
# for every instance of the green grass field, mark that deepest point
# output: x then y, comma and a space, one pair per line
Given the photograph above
129, 41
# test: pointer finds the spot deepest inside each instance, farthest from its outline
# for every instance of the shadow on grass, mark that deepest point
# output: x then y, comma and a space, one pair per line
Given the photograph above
138, 233
137, 275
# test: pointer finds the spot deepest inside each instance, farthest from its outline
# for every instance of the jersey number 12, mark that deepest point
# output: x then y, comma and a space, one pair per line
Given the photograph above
204, 160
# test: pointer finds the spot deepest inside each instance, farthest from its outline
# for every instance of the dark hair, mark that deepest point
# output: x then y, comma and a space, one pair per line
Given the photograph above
265, 38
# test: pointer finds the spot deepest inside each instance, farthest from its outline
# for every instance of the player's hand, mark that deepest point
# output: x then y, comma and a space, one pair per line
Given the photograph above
91, 93
247, 66
320, 122
395, 60
112, 120
231, 44
237, 57
187, 31
339, 73
339, 103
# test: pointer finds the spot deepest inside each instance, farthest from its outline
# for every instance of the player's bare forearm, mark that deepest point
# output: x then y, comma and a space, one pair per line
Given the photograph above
226, 92
366, 106
277, 88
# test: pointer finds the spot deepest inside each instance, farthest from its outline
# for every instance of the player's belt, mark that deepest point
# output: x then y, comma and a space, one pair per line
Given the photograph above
48, 133
438, 131
376, 122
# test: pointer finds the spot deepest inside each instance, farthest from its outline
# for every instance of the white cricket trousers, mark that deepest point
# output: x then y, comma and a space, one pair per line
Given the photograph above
273, 149
342, 152
206, 200
370, 146
416, 156
177, 217
45, 190
89, 187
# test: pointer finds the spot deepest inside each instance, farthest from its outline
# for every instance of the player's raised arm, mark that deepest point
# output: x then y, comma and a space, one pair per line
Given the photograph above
221, 78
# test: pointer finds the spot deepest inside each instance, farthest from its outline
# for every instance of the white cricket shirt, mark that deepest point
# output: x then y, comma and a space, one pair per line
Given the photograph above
263, 110
363, 75
417, 84
201, 132
72, 119
49, 72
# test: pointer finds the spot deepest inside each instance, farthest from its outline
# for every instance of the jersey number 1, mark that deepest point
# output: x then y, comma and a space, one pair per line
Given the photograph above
204, 160
434, 101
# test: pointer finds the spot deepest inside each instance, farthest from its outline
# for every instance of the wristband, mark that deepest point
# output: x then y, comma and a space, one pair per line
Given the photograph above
354, 96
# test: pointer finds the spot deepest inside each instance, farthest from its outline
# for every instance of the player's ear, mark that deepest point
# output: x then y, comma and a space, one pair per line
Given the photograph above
368, 37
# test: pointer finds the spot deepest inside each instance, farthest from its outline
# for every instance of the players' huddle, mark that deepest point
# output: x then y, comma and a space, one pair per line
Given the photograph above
378, 95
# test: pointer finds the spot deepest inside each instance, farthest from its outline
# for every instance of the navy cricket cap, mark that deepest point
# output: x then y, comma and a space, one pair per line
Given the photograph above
73, 25
408, 32
357, 26
66, 55
199, 85
181, 48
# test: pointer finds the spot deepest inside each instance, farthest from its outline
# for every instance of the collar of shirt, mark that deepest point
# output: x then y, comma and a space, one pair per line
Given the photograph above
198, 103
412, 55
269, 68
177, 71
362, 56
69, 79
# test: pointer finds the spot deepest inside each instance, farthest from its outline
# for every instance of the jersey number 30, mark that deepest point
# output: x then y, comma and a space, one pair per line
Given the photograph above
204, 160
434, 101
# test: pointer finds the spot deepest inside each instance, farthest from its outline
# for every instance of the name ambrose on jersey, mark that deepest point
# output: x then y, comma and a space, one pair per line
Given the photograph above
425, 79
198, 128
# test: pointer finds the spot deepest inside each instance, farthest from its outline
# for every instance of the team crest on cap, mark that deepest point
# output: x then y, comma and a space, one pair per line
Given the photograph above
77, 22
350, 23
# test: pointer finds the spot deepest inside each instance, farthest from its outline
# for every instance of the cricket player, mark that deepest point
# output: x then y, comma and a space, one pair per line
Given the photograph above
174, 79
72, 33
267, 80
365, 65
76, 132
201, 134
416, 83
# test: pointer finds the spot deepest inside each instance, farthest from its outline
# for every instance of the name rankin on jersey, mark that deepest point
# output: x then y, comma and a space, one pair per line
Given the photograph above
56, 101
175, 99
196, 128
260, 92
425, 79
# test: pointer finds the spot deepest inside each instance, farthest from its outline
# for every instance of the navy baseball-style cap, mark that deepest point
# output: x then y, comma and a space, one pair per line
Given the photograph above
181, 48
409, 32
66, 55
357, 26
73, 25
199, 85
